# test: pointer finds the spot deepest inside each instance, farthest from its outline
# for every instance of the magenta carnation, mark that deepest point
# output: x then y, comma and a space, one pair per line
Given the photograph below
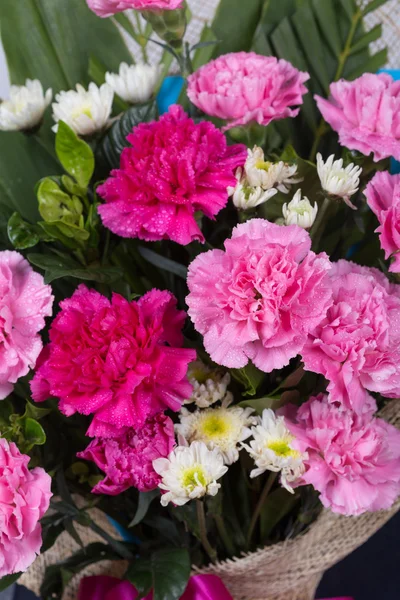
120, 361
260, 297
107, 8
128, 460
173, 169
353, 460
357, 345
24, 499
366, 114
244, 86
24, 303
383, 197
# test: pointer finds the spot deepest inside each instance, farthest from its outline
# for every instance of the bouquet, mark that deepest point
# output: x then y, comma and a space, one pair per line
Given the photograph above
199, 306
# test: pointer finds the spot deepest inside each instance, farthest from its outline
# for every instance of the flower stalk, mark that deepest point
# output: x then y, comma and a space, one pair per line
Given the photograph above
257, 511
201, 518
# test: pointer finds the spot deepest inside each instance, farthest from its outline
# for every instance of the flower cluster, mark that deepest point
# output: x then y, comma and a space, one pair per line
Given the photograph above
173, 169
25, 497
383, 197
25, 301
357, 345
365, 113
127, 460
242, 87
352, 460
260, 298
121, 361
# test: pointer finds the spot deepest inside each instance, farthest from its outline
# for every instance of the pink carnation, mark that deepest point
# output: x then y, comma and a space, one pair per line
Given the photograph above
259, 299
383, 197
173, 169
107, 8
353, 460
121, 361
366, 114
244, 86
24, 499
24, 302
128, 460
357, 345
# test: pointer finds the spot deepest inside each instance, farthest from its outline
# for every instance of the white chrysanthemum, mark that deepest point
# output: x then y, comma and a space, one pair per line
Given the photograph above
25, 108
337, 180
135, 83
223, 428
85, 111
245, 196
189, 472
209, 385
268, 175
299, 211
271, 449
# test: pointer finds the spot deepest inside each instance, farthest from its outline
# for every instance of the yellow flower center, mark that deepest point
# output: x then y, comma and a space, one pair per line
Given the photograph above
200, 375
214, 426
263, 165
85, 109
194, 476
282, 448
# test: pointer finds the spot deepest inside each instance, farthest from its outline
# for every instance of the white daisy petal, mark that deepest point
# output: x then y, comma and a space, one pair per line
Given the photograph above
135, 83
336, 180
25, 108
209, 385
299, 211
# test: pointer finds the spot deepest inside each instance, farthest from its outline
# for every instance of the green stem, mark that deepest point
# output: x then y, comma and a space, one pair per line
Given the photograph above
115, 544
343, 56
224, 535
257, 511
201, 518
142, 39
317, 229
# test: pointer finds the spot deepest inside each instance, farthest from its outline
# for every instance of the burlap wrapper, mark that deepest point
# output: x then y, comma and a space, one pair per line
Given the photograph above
289, 570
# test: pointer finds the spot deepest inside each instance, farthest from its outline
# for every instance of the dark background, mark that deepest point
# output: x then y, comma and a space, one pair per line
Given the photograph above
370, 573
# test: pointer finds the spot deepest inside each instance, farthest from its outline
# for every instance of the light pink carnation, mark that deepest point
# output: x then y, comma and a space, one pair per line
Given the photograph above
24, 499
383, 197
24, 302
107, 8
244, 86
128, 460
353, 460
121, 361
366, 114
173, 169
259, 299
357, 345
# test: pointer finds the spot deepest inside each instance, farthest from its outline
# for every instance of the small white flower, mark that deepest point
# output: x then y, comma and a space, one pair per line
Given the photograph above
209, 385
25, 108
299, 211
244, 196
85, 111
189, 472
267, 175
337, 180
272, 451
223, 428
135, 83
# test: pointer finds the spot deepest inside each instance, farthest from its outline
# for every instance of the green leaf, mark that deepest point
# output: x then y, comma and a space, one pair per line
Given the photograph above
376, 62
24, 235
55, 205
277, 505
371, 36
260, 404
56, 267
8, 580
234, 24
74, 154
33, 432
166, 573
250, 377
32, 411
5, 214
165, 264
61, 41
373, 6
6, 410
205, 48
145, 499
114, 141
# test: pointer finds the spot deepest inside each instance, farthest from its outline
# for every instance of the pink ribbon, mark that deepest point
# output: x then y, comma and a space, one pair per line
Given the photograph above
200, 587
